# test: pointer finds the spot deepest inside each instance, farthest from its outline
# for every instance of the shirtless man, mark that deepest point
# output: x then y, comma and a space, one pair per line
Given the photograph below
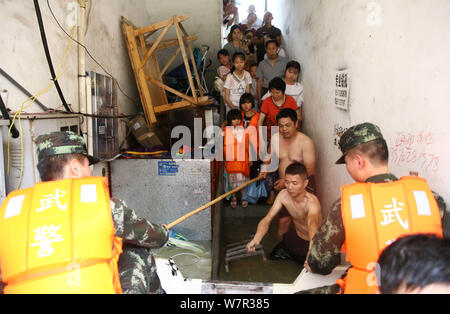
304, 209
289, 146
292, 146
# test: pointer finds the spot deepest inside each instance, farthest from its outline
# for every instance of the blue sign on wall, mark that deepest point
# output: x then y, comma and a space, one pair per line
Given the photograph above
167, 168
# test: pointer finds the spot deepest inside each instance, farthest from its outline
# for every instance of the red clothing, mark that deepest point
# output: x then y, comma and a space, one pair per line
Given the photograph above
271, 111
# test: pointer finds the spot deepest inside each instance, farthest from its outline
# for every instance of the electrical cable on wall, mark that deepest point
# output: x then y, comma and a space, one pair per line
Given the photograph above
23, 107
90, 55
47, 54
5, 115
22, 89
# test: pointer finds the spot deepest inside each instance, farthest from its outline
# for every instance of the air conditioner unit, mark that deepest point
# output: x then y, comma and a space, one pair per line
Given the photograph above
32, 127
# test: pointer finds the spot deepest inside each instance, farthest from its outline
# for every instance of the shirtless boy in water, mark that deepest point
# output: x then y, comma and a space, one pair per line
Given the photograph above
303, 207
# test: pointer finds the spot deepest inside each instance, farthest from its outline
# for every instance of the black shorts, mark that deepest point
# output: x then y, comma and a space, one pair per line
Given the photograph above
296, 246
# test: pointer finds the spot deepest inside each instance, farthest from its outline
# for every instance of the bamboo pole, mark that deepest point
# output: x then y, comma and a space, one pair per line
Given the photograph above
217, 200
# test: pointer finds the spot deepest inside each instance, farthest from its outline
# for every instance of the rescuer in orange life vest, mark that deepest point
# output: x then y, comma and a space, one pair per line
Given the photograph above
371, 214
65, 234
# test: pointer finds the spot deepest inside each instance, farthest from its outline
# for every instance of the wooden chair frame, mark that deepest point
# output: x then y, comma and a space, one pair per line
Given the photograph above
148, 74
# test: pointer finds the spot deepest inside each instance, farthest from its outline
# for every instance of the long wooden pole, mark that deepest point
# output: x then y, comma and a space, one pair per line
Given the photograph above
217, 200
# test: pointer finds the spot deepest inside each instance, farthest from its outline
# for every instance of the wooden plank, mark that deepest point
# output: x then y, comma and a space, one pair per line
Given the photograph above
162, 93
159, 25
173, 91
194, 63
177, 43
148, 75
179, 105
173, 106
175, 54
185, 59
125, 24
154, 90
152, 49
140, 76
148, 34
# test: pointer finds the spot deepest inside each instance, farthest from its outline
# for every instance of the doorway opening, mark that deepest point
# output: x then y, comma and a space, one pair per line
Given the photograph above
239, 12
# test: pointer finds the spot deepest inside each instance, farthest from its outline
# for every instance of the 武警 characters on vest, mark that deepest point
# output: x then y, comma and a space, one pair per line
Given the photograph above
47, 238
371, 214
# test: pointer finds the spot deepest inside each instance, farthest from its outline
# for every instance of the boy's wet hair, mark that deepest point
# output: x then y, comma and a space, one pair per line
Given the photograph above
246, 98
278, 84
287, 113
294, 65
222, 52
233, 114
297, 169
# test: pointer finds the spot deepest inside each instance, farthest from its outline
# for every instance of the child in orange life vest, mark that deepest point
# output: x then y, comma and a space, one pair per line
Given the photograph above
236, 147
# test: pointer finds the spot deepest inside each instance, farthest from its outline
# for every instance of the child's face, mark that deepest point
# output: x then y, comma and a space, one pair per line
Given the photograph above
253, 71
224, 60
236, 122
291, 75
239, 64
246, 107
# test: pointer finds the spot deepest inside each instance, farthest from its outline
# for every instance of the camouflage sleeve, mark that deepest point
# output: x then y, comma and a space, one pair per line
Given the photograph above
325, 252
134, 230
441, 204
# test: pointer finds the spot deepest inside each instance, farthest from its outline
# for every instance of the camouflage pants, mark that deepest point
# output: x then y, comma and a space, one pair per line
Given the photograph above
137, 272
333, 289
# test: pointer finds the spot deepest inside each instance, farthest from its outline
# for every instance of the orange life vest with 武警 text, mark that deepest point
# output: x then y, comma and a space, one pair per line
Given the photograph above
59, 237
374, 216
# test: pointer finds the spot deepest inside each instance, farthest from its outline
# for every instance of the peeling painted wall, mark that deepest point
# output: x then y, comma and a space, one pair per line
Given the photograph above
396, 53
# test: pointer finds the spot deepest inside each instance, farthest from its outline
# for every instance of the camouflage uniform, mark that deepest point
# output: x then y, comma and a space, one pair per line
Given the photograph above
325, 252
137, 267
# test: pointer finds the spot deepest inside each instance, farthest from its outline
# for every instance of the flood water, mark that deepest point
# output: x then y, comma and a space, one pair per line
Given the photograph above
240, 224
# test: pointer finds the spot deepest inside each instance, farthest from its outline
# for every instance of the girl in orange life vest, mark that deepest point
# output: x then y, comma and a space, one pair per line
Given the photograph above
236, 146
